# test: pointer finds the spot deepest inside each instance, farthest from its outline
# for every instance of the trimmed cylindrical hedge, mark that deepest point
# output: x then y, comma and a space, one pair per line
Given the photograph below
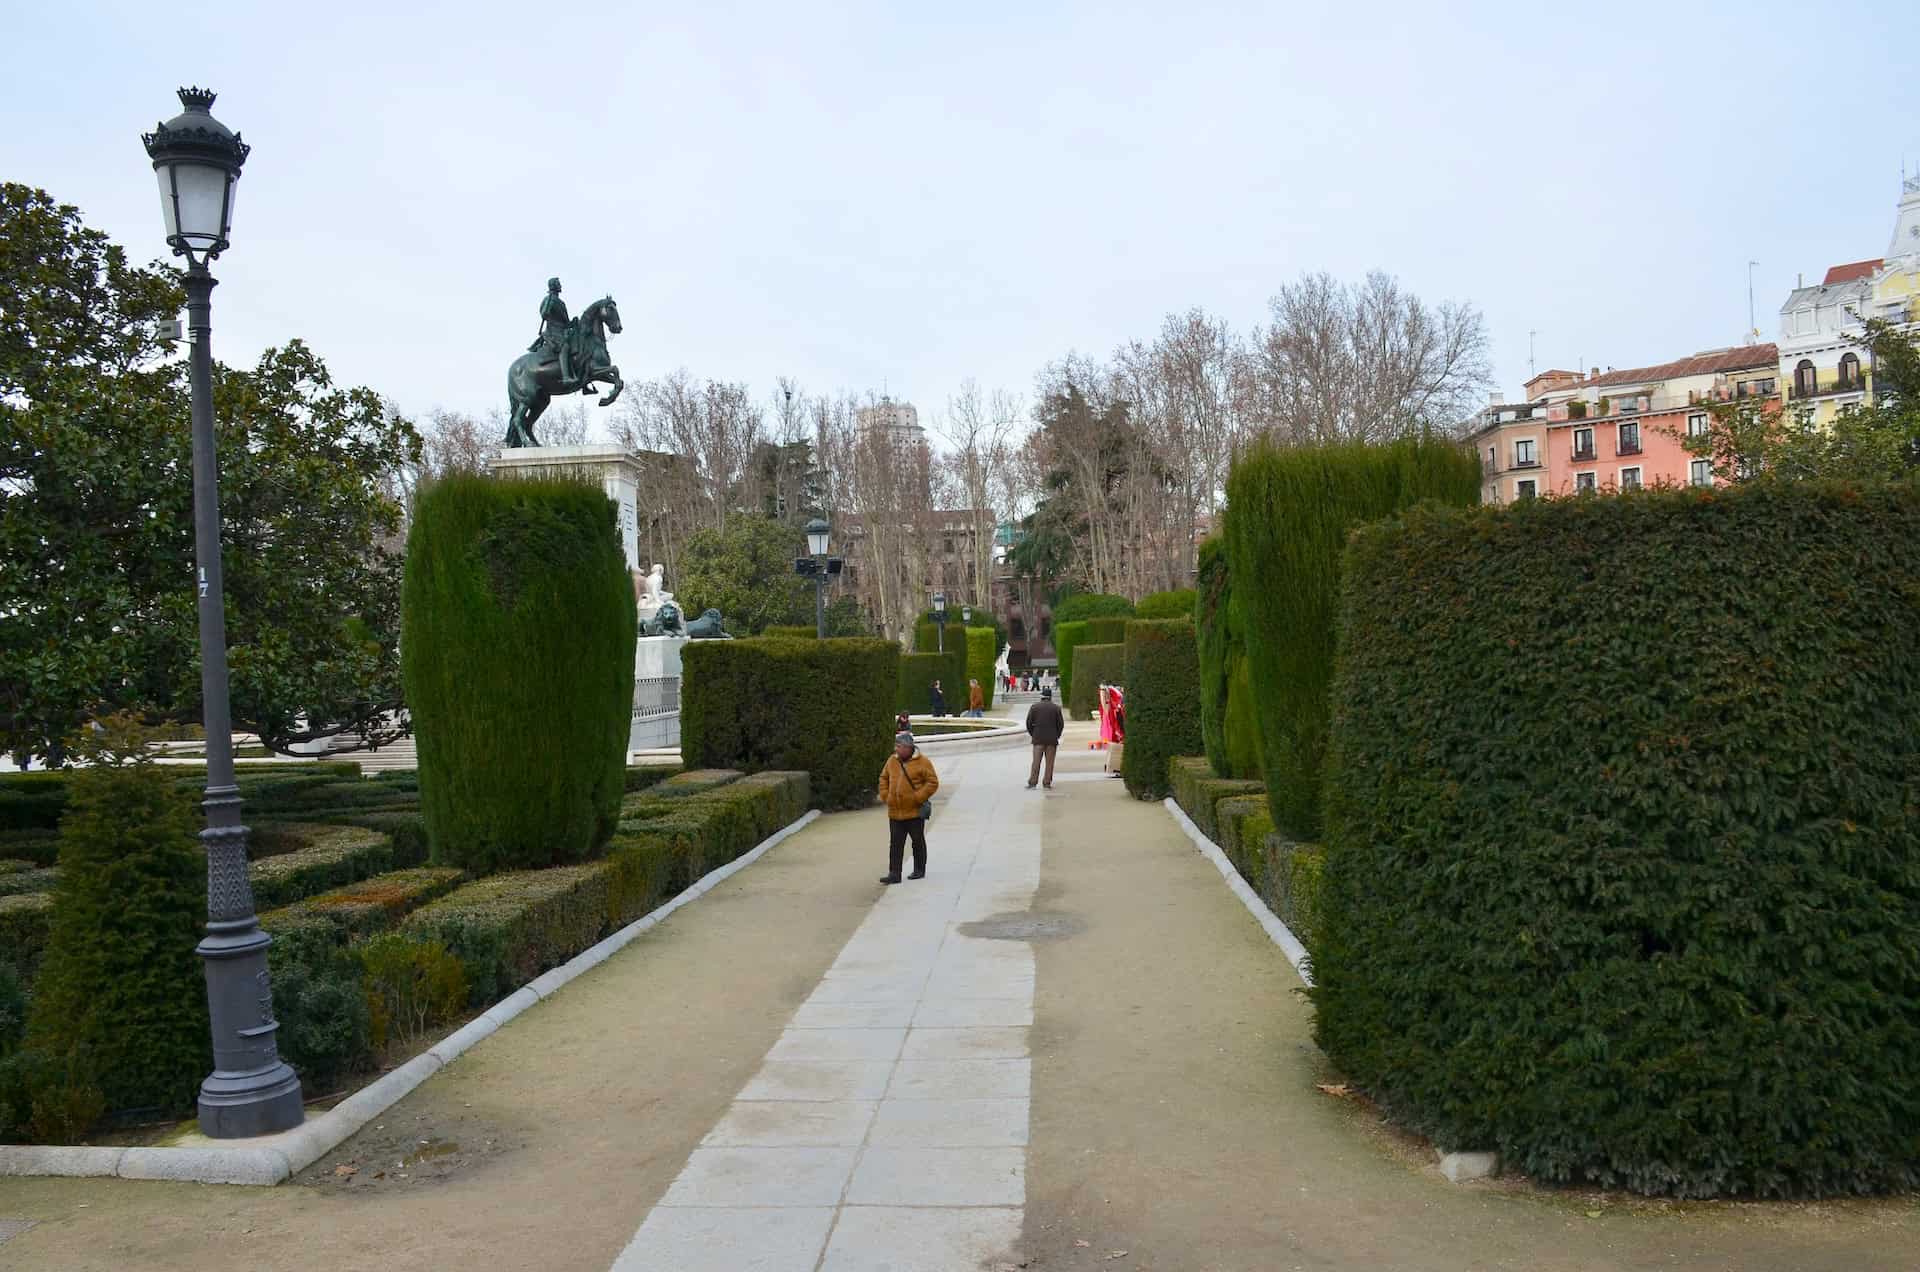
1623, 855
983, 653
1099, 665
1068, 637
1162, 681
1228, 723
517, 642
823, 707
1290, 511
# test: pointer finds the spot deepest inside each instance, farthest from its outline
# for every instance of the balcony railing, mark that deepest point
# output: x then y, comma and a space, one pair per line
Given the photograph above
1584, 452
1627, 448
1526, 463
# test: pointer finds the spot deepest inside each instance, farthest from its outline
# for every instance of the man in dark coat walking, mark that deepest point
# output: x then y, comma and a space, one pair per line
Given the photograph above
1045, 724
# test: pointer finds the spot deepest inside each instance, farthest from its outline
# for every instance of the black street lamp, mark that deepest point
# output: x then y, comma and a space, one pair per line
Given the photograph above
966, 615
940, 618
820, 567
251, 1091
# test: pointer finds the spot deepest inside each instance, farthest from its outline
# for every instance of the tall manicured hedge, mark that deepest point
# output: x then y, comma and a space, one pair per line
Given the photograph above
927, 639
983, 654
1068, 637
1290, 512
1099, 665
1228, 722
1084, 605
1622, 874
121, 998
1162, 680
795, 631
917, 672
517, 641
1175, 604
823, 707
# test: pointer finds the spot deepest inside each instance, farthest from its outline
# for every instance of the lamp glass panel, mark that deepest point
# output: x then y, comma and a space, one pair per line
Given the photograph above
164, 174
203, 201
817, 543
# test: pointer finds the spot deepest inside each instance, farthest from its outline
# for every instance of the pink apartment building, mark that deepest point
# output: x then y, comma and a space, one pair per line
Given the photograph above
1623, 429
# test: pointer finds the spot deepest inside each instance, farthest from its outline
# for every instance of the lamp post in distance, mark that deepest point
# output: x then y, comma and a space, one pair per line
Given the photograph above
820, 567
940, 618
251, 1090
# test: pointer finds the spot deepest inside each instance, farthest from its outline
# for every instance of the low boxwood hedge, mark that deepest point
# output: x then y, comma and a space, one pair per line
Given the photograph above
1245, 823
23, 930
1197, 791
1162, 680
334, 856
693, 781
792, 631
1623, 855
406, 828
370, 905
508, 928
26, 877
41, 847
824, 707
641, 777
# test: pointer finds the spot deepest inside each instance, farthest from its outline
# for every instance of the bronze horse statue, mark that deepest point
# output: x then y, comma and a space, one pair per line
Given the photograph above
534, 378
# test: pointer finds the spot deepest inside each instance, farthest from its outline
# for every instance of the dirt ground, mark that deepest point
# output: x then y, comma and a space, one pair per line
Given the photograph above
1175, 1113
542, 1148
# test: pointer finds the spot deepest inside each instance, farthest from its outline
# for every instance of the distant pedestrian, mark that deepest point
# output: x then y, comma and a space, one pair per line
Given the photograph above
939, 699
976, 699
1045, 724
907, 782
902, 723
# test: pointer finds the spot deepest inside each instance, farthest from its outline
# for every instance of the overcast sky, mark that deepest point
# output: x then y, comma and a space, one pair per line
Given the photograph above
908, 195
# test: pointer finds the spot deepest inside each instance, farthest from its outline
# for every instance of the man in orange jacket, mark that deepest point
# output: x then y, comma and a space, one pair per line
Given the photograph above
907, 782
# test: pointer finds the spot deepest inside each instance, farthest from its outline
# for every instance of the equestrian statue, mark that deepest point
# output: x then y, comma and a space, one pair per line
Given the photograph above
568, 356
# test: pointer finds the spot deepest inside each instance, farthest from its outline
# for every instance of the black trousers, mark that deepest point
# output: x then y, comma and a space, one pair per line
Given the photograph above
897, 833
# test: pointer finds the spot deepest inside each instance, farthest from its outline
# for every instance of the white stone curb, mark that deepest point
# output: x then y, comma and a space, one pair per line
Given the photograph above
979, 740
1289, 943
272, 1159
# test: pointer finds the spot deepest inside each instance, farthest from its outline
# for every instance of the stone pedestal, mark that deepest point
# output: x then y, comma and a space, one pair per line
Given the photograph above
656, 693
614, 467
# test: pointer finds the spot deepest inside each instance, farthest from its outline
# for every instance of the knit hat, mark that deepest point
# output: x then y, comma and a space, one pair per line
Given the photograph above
1045, 692
903, 736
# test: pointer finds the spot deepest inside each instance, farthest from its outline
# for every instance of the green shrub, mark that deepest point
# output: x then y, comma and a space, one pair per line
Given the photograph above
33, 806
917, 673
334, 855
791, 631
516, 644
13, 1008
121, 994
642, 777
23, 930
1070, 636
640, 875
411, 986
1162, 680
983, 655
1096, 665
508, 928
1245, 822
318, 998
952, 673
1084, 605
1175, 604
1299, 880
1197, 790
1290, 510
1623, 856
792, 793
824, 707
48, 1098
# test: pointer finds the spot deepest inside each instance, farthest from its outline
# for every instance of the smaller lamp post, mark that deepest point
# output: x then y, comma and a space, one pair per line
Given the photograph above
821, 567
251, 1090
966, 615
940, 618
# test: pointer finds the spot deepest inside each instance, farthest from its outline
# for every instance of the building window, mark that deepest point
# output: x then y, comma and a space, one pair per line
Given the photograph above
1630, 439
1696, 426
1583, 443
1805, 382
1522, 453
1700, 472
1583, 483
1629, 479
1803, 416
1493, 460
1523, 489
1849, 372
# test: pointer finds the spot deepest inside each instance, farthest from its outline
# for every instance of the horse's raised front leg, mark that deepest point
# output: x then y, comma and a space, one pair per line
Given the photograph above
613, 373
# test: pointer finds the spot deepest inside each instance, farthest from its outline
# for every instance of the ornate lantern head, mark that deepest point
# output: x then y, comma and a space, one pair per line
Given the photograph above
197, 160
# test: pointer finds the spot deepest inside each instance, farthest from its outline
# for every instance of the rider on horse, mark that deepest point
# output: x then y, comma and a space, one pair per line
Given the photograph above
559, 336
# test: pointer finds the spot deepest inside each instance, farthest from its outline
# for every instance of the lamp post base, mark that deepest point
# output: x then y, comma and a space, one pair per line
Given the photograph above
242, 1105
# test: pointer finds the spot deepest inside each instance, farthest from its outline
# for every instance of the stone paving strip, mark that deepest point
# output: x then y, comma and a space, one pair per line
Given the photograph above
887, 1127
273, 1159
